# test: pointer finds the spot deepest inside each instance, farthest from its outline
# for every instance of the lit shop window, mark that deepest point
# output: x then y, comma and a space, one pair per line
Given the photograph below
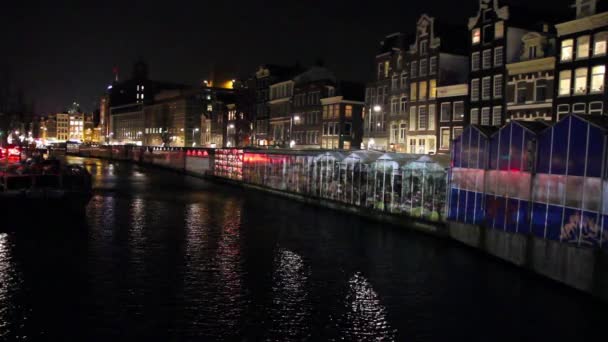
476, 36
566, 54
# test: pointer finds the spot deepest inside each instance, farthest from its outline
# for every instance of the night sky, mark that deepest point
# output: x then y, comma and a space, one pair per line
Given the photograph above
60, 51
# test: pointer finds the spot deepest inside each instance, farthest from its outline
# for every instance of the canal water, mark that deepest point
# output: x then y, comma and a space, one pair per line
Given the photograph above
161, 256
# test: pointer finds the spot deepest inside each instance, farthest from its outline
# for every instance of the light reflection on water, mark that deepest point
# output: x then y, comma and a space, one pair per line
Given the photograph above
364, 318
168, 257
290, 312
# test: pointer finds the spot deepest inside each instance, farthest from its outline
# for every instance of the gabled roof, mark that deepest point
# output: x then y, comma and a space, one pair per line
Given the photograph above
487, 131
600, 121
533, 126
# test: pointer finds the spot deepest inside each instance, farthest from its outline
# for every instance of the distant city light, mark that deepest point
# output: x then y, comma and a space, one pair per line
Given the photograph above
377, 108
110, 86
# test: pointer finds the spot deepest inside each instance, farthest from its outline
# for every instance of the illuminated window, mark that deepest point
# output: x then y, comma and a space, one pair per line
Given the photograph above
348, 112
582, 47
565, 82
423, 90
580, 81
476, 36
432, 89
412, 118
567, 46
597, 78
386, 68
599, 43
499, 29
414, 91
445, 138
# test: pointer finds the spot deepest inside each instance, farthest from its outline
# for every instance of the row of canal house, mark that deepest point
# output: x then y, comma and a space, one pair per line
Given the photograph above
508, 64
534, 178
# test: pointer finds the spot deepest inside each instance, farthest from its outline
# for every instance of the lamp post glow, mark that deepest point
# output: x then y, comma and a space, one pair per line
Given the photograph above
194, 130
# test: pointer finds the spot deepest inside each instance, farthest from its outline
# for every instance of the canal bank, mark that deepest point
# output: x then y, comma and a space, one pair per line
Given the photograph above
585, 269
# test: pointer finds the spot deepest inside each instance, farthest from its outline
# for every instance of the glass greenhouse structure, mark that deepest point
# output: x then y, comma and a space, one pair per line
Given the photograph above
390, 182
530, 178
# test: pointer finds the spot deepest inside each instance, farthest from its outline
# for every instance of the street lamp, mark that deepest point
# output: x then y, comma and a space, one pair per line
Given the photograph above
295, 118
194, 130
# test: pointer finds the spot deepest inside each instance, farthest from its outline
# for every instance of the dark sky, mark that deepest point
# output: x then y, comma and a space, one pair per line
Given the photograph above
61, 51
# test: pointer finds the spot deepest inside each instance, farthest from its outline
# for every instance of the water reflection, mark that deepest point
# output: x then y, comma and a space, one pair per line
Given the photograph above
364, 318
291, 311
5, 268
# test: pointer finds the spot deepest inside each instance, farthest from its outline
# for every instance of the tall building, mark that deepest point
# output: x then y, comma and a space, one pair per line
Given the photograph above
63, 126
581, 61
495, 36
342, 120
305, 121
217, 104
530, 79
265, 76
390, 78
435, 59
76, 127
453, 103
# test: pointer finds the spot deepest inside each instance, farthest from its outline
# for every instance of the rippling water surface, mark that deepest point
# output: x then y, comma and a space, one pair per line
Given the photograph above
162, 256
